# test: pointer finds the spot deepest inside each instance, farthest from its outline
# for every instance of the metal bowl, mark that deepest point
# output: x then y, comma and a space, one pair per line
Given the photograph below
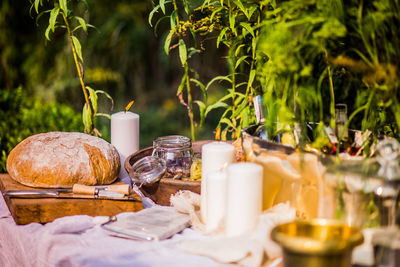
317, 242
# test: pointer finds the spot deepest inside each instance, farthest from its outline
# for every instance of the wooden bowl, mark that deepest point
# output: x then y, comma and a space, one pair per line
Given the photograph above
161, 191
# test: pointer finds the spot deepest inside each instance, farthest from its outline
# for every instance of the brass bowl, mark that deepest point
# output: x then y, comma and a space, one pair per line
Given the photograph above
317, 242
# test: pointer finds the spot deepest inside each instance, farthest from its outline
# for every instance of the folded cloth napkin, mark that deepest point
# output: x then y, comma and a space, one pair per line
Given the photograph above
251, 249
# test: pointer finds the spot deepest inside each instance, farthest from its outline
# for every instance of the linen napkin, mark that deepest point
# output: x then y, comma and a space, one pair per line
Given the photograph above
251, 249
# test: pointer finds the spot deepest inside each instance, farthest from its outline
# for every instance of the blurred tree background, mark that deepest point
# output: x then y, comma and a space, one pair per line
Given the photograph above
123, 56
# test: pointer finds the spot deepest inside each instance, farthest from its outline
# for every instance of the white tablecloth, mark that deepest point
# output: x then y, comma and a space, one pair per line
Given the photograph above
78, 241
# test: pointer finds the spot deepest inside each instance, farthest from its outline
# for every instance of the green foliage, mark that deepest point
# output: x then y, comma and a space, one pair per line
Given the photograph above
23, 116
304, 56
318, 53
61, 17
234, 25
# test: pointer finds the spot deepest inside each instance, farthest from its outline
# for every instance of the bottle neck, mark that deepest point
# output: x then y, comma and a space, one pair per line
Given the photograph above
259, 109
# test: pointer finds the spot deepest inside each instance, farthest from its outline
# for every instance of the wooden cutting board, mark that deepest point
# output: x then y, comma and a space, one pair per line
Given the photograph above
43, 210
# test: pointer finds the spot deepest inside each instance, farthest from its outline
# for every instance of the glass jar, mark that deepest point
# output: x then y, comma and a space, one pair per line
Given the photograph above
177, 152
365, 191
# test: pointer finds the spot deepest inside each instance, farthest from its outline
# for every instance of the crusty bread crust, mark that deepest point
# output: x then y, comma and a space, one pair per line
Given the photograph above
62, 159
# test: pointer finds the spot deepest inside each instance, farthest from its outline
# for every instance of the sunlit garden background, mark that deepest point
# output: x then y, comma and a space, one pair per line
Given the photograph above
194, 67
123, 56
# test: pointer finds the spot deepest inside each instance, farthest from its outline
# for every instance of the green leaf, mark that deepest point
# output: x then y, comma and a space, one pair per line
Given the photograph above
158, 22
215, 12
202, 109
186, 6
248, 28
53, 17
87, 25
91, 26
221, 35
239, 4
40, 15
232, 24
173, 20
252, 75
240, 61
168, 42
251, 11
245, 119
162, 5
218, 78
108, 96
82, 23
226, 96
108, 116
214, 106
205, 3
37, 6
93, 98
238, 49
87, 118
193, 33
224, 133
240, 108
183, 82
155, 10
182, 51
47, 32
63, 6
192, 51
201, 85
225, 114
227, 122
241, 84
253, 46
239, 98
78, 47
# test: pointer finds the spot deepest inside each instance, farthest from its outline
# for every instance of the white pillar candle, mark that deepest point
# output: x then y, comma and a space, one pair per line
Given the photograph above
216, 199
214, 156
125, 136
244, 197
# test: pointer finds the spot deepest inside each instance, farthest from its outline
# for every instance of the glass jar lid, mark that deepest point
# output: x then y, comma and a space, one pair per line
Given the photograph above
172, 142
147, 170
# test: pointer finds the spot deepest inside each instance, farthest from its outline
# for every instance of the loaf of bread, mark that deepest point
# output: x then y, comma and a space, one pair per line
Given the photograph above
62, 159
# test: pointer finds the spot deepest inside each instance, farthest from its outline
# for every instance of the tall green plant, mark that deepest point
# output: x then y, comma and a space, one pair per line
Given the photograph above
296, 41
304, 56
60, 16
321, 52
234, 25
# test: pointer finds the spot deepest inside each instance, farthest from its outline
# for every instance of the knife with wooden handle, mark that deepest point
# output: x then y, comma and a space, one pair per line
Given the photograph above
124, 189
114, 192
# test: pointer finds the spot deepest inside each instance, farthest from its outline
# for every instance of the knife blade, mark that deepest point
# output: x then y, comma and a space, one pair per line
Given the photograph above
102, 194
31, 193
